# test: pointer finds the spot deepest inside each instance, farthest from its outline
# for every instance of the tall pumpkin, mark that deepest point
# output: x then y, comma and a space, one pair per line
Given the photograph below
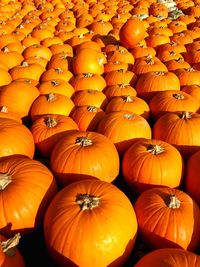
90, 223
150, 163
26, 189
168, 217
80, 155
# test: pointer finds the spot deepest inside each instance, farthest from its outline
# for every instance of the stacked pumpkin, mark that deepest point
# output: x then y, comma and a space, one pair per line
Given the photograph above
99, 128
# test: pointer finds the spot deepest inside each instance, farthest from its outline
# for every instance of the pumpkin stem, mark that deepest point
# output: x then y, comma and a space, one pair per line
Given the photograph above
24, 64
174, 202
178, 96
186, 115
58, 70
155, 149
83, 141
100, 61
92, 109
55, 83
5, 180
51, 97
191, 69
87, 202
180, 60
9, 246
4, 109
88, 75
6, 49
51, 122
128, 116
127, 99
159, 73
123, 85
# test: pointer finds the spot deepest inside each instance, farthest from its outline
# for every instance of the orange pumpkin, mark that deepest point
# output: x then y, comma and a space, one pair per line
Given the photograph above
97, 209
80, 147
39, 187
168, 218
150, 163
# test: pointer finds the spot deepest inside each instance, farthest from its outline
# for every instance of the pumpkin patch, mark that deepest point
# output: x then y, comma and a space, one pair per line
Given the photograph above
99, 133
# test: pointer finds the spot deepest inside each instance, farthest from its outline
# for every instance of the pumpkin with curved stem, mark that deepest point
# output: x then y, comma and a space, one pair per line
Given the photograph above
132, 32
9, 254
123, 127
163, 219
49, 129
181, 129
172, 101
97, 209
150, 163
175, 257
51, 104
80, 148
22, 211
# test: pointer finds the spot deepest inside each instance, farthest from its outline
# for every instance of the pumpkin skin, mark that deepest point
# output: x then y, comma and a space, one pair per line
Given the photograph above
132, 32
150, 163
122, 127
73, 158
171, 126
9, 254
168, 218
37, 185
192, 179
47, 131
169, 257
15, 139
105, 221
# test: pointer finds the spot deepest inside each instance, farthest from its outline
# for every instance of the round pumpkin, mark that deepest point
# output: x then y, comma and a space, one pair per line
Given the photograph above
132, 32
80, 155
150, 163
100, 212
27, 187
168, 218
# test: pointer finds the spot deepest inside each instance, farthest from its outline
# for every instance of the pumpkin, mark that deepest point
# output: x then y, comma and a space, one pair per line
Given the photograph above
87, 117
23, 91
150, 163
180, 129
119, 90
132, 32
9, 254
150, 83
27, 187
48, 129
15, 139
192, 177
172, 101
175, 257
168, 218
123, 127
100, 211
73, 158
51, 104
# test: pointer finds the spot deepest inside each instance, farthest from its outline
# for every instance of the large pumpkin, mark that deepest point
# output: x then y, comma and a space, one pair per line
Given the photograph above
149, 163
90, 223
168, 217
15, 139
80, 155
167, 257
26, 189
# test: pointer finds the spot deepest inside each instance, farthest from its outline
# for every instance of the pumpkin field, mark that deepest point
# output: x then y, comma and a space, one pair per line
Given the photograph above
100, 133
